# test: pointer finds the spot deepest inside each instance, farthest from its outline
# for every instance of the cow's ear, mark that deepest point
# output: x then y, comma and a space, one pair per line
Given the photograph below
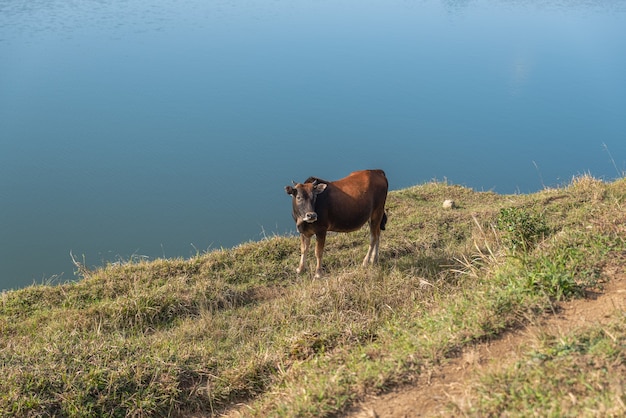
320, 188
290, 190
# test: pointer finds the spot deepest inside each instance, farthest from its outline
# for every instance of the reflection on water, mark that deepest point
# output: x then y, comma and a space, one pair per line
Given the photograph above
566, 6
457, 6
163, 128
520, 72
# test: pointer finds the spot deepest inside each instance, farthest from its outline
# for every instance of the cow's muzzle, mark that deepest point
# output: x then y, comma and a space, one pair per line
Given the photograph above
310, 217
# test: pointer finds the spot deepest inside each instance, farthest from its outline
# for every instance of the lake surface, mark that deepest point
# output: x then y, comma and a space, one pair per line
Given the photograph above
159, 128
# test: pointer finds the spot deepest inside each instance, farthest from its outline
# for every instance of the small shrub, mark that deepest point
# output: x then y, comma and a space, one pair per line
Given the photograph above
521, 229
553, 279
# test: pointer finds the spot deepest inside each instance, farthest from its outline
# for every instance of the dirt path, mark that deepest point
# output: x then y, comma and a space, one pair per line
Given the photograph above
451, 382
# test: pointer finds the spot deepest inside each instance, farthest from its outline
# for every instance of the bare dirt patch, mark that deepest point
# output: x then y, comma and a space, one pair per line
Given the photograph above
449, 384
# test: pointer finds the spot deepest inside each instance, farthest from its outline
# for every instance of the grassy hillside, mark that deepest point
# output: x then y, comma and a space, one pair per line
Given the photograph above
238, 330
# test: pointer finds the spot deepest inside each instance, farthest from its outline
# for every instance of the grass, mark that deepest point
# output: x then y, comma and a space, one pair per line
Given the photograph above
239, 330
578, 375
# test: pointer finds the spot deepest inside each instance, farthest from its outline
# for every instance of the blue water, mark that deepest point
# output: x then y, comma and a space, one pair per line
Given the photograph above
159, 128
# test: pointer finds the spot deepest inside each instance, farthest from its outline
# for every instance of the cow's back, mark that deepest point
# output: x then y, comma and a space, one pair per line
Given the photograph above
367, 186
350, 202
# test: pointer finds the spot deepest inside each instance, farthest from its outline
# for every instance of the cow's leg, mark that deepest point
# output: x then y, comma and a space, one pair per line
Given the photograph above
320, 240
372, 252
304, 247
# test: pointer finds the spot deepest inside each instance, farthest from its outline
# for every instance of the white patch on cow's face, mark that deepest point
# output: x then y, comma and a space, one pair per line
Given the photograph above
310, 217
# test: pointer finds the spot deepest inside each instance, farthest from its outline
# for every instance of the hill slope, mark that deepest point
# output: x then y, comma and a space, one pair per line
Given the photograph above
468, 382
238, 332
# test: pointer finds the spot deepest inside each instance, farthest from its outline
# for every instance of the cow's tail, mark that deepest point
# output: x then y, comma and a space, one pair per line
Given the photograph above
383, 222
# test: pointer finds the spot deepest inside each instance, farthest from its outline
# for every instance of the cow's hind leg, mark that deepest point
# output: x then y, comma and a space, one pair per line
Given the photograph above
376, 224
304, 247
372, 252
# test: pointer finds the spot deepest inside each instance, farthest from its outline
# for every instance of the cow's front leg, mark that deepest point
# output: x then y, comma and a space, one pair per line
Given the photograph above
304, 247
320, 239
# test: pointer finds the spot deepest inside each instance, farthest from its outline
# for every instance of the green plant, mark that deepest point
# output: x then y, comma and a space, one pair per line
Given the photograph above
553, 278
521, 229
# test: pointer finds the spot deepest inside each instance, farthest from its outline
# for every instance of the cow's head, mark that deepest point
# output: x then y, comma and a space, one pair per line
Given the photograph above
303, 198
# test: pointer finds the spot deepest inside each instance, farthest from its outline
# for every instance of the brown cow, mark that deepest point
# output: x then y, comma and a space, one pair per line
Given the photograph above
344, 205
